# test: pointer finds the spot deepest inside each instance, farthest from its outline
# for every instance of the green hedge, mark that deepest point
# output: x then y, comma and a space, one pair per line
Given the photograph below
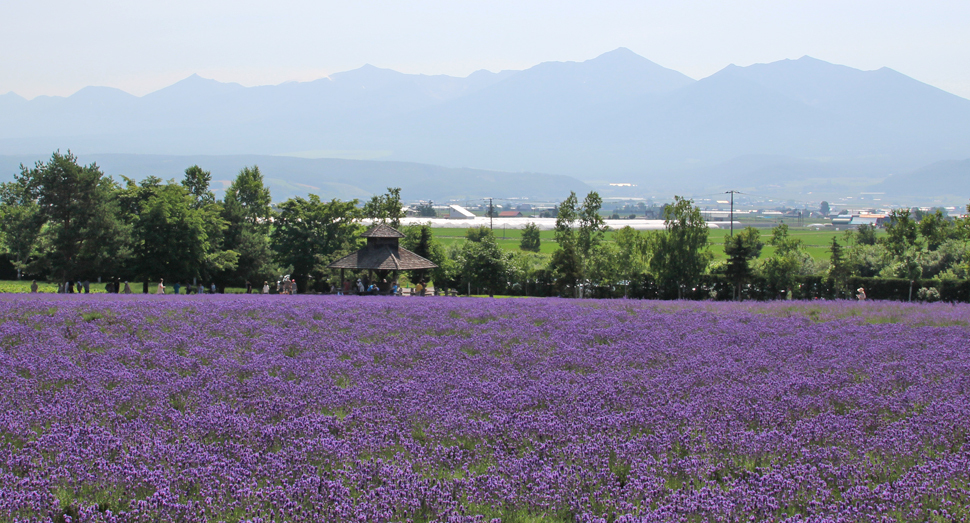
806, 288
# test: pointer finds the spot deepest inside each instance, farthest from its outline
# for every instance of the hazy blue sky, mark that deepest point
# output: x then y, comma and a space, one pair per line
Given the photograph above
55, 47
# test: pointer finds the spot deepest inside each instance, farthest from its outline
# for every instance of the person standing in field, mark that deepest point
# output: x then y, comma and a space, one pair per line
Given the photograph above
861, 294
33, 286
265, 287
293, 289
127, 288
213, 287
176, 287
161, 286
249, 287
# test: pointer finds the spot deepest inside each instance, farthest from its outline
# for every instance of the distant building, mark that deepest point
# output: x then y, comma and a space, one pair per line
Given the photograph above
510, 214
855, 220
876, 220
717, 216
457, 212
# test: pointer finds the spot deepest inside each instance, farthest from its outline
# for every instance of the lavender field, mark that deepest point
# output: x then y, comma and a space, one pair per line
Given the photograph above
256, 408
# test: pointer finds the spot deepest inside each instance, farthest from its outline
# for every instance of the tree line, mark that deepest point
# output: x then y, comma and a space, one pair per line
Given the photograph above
68, 222
63, 222
920, 256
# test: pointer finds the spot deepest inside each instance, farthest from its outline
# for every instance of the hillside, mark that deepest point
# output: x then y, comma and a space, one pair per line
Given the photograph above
331, 177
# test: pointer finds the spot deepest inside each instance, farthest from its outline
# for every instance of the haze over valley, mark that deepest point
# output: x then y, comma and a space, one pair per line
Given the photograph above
804, 129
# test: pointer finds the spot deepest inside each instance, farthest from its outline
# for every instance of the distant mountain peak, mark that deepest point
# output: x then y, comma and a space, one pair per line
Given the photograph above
622, 56
195, 85
10, 95
194, 78
620, 52
365, 73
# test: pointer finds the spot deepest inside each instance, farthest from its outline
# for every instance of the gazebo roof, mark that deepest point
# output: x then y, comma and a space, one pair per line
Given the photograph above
383, 258
382, 230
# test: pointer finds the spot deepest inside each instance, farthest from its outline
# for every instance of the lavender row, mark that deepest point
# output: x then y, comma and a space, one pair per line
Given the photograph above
134, 408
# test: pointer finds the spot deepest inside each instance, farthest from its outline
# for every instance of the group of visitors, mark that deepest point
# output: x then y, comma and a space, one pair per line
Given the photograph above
177, 288
365, 287
67, 287
286, 285
84, 287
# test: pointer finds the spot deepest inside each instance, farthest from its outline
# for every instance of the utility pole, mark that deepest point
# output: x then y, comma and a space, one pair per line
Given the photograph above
491, 211
731, 192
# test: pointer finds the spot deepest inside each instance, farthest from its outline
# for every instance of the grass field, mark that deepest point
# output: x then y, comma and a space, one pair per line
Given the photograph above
816, 242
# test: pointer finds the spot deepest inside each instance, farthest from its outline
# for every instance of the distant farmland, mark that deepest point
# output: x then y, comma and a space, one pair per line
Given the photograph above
816, 243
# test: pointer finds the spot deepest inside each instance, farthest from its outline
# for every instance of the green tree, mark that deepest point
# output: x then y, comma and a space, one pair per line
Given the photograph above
247, 214
824, 208
477, 234
936, 229
524, 267
962, 227
248, 200
386, 208
220, 260
170, 235
579, 232
789, 260
782, 241
426, 210
310, 234
603, 268
839, 269
83, 235
530, 238
680, 253
901, 232
591, 224
867, 261
633, 255
865, 234
566, 214
197, 182
420, 240
567, 266
741, 248
484, 264
21, 222
566, 262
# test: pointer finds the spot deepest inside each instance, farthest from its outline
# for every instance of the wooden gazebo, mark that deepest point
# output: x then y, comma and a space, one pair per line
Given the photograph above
382, 254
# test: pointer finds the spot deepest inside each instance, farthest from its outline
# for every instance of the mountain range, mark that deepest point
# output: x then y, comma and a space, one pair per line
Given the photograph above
790, 128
